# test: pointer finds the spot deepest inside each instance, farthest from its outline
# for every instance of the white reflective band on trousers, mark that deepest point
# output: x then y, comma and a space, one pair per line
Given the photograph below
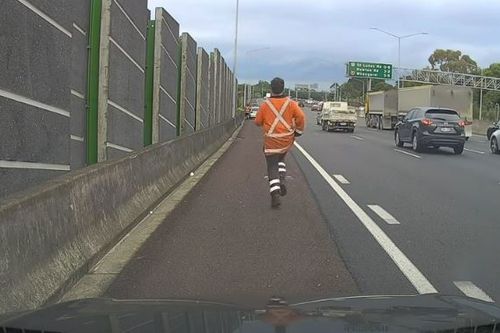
275, 188
281, 170
279, 119
274, 181
282, 164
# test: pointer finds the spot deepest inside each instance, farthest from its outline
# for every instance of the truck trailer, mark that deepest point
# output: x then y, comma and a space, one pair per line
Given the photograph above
385, 108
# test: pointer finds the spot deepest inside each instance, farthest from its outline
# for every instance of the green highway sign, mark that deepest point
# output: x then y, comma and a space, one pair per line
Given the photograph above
369, 70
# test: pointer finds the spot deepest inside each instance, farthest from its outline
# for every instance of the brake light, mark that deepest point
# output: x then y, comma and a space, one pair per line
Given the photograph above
461, 123
426, 122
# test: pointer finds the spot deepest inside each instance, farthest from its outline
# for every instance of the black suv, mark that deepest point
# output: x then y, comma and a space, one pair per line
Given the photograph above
431, 127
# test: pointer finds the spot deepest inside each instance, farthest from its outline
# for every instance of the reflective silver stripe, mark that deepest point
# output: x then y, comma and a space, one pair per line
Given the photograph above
274, 181
275, 188
272, 151
279, 116
282, 164
281, 170
282, 135
298, 131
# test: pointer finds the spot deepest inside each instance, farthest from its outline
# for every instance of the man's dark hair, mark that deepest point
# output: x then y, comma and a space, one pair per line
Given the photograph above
277, 86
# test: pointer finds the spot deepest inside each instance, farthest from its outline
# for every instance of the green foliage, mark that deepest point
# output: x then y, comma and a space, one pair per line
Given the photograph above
453, 61
493, 70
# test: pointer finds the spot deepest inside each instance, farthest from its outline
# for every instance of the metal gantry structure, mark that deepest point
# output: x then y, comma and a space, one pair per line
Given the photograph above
448, 78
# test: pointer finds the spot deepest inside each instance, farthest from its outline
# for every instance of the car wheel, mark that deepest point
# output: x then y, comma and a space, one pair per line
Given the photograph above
397, 139
494, 145
323, 126
458, 149
415, 143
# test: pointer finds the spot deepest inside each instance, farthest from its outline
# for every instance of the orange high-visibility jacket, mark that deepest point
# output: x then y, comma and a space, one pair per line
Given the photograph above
280, 118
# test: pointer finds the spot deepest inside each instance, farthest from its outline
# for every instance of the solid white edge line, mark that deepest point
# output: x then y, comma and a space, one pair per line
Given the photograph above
167, 121
122, 109
46, 18
474, 151
416, 278
341, 179
125, 53
77, 94
383, 214
129, 19
80, 30
76, 138
407, 153
357, 138
32, 165
118, 147
471, 290
31, 102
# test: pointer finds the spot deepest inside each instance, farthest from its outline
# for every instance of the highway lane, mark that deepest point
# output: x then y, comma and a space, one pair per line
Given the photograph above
446, 207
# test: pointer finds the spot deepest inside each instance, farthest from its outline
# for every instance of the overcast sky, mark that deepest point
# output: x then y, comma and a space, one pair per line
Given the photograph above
309, 41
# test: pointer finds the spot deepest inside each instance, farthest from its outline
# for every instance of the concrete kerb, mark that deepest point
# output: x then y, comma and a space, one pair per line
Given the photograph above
51, 235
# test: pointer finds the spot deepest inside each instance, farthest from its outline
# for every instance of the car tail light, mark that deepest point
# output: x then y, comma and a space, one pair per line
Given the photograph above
461, 123
426, 122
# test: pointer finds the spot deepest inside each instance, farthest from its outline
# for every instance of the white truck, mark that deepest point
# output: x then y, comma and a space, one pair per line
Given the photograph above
381, 110
337, 116
385, 108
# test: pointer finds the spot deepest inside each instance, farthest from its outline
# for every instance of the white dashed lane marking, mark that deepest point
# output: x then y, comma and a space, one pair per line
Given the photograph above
383, 214
341, 179
471, 290
407, 153
474, 151
412, 273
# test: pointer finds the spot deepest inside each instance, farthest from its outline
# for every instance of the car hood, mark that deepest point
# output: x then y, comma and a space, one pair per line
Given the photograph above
431, 312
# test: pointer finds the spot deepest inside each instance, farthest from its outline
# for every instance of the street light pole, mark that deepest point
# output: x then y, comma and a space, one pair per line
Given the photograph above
399, 46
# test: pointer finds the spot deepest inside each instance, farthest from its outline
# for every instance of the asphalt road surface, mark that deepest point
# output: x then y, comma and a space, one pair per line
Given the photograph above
363, 217
439, 210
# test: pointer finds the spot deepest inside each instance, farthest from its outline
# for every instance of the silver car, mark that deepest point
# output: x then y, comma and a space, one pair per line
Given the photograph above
495, 141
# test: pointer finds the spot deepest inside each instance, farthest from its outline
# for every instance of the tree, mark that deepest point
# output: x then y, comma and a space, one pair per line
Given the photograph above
453, 61
493, 70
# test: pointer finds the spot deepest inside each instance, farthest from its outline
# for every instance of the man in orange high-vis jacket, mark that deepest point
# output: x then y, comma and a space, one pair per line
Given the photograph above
281, 120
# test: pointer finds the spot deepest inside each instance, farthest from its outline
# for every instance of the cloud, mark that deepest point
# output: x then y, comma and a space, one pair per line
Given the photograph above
309, 41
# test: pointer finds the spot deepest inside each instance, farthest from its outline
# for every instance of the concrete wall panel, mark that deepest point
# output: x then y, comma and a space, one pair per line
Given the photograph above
187, 87
125, 130
15, 180
169, 111
29, 134
78, 118
166, 75
34, 56
202, 90
137, 11
126, 35
126, 83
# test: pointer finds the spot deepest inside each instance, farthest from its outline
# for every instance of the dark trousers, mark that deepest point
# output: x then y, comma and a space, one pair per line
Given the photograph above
276, 171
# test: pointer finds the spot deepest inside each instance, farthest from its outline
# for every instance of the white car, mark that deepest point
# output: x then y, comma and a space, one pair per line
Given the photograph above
253, 112
495, 142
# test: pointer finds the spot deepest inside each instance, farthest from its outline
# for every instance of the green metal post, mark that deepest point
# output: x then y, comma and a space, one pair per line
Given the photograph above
93, 80
148, 103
